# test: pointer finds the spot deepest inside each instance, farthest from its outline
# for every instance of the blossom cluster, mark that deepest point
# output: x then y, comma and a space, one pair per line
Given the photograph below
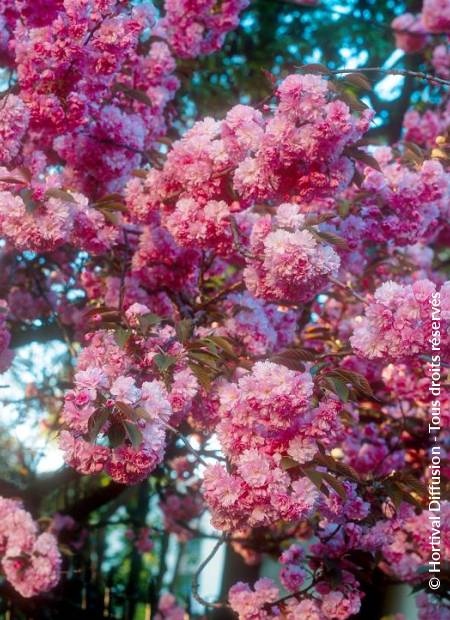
125, 401
96, 81
412, 32
401, 542
179, 509
13, 126
429, 606
423, 129
441, 60
264, 417
398, 322
399, 204
260, 327
262, 603
251, 298
197, 28
288, 265
141, 539
299, 151
168, 608
30, 560
270, 409
436, 15
107, 399
42, 219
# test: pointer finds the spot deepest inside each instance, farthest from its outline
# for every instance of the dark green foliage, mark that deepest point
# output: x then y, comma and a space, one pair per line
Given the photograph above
276, 36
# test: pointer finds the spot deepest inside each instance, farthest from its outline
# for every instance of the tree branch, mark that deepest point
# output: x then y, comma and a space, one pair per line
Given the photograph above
195, 578
81, 510
44, 333
420, 75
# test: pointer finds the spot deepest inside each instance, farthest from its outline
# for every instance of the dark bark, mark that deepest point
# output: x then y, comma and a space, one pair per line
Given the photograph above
81, 509
374, 601
137, 516
33, 494
46, 333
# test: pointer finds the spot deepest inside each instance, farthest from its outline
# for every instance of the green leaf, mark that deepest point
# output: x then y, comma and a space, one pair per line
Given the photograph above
106, 316
357, 179
106, 207
122, 336
96, 423
111, 217
114, 197
15, 180
293, 358
330, 237
359, 80
65, 550
25, 172
60, 194
133, 93
336, 485
420, 586
344, 207
209, 359
415, 485
184, 330
355, 104
338, 387
140, 173
134, 434
362, 156
317, 368
125, 409
316, 478
357, 380
149, 320
116, 435
288, 463
413, 153
315, 220
204, 376
27, 197
394, 493
223, 343
164, 361
325, 460
99, 310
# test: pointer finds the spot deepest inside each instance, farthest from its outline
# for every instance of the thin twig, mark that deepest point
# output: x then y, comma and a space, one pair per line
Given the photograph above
296, 595
348, 289
404, 72
187, 444
127, 147
61, 326
335, 354
195, 578
237, 239
332, 535
229, 289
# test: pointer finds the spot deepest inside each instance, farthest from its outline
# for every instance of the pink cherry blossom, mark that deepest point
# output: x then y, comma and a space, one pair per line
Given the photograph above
31, 561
